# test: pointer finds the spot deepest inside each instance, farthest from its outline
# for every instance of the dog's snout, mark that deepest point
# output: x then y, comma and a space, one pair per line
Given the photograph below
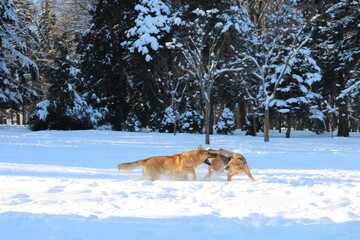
207, 162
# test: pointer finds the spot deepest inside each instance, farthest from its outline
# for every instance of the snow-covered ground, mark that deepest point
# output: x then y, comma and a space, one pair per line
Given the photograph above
65, 185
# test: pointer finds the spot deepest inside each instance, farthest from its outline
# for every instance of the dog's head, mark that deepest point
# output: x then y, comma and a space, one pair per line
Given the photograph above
207, 161
207, 154
234, 163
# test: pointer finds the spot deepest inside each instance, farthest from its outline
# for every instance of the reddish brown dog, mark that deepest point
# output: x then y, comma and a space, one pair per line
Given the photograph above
218, 162
233, 162
237, 165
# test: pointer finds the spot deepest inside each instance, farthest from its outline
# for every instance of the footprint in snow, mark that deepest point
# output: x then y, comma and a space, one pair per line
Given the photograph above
20, 195
19, 199
56, 189
94, 184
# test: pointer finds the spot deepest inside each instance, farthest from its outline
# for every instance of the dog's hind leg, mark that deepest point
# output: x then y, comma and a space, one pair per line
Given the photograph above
149, 174
145, 174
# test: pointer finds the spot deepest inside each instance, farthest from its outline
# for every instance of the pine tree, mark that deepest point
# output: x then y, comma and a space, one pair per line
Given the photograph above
296, 98
153, 21
155, 120
170, 116
226, 124
191, 121
338, 42
64, 108
132, 123
105, 60
15, 65
30, 86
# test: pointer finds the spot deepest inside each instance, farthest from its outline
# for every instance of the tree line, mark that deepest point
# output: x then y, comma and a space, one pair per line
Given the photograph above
182, 65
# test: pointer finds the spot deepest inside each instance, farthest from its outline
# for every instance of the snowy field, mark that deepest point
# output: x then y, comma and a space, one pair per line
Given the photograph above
65, 185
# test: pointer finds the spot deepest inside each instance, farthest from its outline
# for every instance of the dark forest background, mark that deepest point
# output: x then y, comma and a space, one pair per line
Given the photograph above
181, 65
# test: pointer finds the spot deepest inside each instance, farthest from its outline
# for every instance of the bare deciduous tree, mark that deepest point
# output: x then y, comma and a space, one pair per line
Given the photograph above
203, 50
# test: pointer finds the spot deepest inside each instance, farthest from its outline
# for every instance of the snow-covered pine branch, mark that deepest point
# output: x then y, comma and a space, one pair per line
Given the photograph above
354, 87
153, 21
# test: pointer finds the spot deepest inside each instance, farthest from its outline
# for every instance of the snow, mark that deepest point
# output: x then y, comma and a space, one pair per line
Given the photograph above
9, 13
152, 21
64, 185
225, 124
354, 87
42, 111
317, 114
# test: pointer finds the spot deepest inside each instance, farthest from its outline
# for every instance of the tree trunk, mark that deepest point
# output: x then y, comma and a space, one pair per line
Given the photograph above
207, 121
175, 126
343, 128
18, 118
118, 117
24, 117
254, 121
266, 124
288, 131
254, 125
12, 117
332, 125
175, 109
212, 119
279, 125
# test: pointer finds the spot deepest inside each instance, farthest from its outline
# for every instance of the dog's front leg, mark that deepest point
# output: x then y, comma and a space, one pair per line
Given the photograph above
230, 175
191, 171
208, 175
193, 174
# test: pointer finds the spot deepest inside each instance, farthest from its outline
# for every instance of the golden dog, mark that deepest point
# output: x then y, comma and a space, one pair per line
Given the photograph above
233, 162
178, 165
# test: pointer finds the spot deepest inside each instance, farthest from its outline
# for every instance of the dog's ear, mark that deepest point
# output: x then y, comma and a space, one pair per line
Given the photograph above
200, 149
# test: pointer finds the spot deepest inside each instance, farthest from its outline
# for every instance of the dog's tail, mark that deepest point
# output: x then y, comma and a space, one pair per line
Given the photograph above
132, 165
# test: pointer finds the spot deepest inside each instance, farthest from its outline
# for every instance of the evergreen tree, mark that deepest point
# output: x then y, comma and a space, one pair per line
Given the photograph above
132, 123
45, 27
191, 121
338, 43
30, 86
15, 65
167, 72
226, 124
64, 108
155, 120
105, 60
44, 45
170, 116
153, 21
295, 97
